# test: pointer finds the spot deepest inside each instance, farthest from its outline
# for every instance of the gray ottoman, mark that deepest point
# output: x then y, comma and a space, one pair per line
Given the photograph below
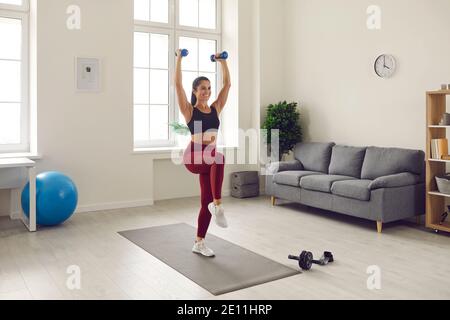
245, 184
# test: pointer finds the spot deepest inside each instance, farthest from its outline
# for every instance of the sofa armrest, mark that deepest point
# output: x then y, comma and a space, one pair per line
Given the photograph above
394, 181
276, 167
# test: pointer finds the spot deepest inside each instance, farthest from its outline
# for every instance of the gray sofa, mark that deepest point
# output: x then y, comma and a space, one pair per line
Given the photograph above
379, 184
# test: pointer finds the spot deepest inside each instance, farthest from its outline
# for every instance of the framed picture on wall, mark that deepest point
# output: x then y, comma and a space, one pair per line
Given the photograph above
87, 74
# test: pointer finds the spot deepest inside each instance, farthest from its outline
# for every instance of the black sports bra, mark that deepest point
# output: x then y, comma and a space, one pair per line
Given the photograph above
207, 121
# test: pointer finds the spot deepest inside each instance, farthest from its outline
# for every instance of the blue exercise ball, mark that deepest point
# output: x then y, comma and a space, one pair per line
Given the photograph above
56, 198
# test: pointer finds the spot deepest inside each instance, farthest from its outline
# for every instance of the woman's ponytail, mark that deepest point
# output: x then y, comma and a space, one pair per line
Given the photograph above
193, 100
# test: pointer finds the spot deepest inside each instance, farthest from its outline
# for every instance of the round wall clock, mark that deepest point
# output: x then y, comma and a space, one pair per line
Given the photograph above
385, 66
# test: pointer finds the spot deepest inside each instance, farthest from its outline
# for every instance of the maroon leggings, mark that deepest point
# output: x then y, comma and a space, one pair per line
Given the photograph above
203, 159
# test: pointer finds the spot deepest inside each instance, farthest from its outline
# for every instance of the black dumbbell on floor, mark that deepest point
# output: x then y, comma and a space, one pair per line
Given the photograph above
306, 260
325, 259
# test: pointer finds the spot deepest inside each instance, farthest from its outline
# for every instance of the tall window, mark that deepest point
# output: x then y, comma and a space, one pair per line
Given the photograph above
14, 109
162, 26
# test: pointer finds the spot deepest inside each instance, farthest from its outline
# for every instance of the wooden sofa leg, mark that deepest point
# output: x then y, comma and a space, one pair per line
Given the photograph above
418, 220
274, 201
379, 226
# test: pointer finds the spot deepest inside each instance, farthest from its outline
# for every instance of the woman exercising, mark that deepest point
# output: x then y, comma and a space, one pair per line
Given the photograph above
200, 156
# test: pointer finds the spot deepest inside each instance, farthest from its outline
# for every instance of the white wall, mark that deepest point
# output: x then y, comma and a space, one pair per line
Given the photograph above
89, 136
329, 68
272, 61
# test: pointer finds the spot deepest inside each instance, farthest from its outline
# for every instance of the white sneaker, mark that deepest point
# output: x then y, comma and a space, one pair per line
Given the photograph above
200, 247
219, 215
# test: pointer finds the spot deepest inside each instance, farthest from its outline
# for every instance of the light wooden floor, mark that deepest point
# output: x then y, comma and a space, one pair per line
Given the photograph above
415, 263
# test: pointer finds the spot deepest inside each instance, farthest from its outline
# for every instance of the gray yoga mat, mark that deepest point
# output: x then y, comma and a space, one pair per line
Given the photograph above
233, 268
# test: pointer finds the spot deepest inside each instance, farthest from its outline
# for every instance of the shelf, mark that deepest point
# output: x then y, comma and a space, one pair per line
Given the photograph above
445, 226
438, 160
439, 92
436, 193
436, 106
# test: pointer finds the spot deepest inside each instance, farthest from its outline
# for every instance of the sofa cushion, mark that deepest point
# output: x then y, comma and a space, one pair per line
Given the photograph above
395, 181
321, 183
347, 161
275, 167
314, 156
380, 162
292, 178
354, 189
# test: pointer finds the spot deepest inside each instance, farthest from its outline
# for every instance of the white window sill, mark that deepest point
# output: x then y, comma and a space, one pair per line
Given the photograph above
165, 153
31, 156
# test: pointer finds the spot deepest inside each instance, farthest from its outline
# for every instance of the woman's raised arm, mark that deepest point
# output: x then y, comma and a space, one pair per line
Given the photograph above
223, 95
185, 106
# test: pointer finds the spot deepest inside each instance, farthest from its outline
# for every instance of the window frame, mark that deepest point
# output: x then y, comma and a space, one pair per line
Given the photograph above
218, 29
159, 143
174, 30
18, 12
170, 24
25, 7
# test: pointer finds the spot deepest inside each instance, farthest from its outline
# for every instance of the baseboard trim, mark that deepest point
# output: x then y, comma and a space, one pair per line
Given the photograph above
115, 205
100, 207
15, 216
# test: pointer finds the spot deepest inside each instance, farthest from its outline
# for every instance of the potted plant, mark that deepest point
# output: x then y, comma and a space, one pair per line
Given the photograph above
286, 118
182, 133
179, 128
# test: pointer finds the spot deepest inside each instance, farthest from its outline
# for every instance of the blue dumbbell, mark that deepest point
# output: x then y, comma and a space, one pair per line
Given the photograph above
184, 53
223, 55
